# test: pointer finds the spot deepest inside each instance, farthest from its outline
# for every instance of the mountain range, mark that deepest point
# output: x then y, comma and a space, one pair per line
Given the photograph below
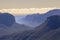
49, 30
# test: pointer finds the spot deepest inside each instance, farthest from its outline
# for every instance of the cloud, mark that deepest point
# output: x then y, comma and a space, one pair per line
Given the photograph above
24, 11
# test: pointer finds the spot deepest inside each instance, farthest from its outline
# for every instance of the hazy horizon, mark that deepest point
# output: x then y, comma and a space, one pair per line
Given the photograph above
25, 11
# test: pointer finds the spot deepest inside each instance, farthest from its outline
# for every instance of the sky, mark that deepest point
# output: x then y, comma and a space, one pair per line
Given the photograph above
28, 4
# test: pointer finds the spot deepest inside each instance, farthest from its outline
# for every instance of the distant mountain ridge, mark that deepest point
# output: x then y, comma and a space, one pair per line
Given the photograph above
31, 20
37, 19
52, 12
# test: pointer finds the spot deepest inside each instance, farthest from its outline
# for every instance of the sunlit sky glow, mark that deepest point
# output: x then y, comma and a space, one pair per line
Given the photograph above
24, 11
23, 7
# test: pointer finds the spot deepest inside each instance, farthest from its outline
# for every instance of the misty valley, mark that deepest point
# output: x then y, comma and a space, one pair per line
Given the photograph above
30, 27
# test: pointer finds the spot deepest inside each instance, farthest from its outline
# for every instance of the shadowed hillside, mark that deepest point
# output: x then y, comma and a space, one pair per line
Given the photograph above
53, 22
7, 19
